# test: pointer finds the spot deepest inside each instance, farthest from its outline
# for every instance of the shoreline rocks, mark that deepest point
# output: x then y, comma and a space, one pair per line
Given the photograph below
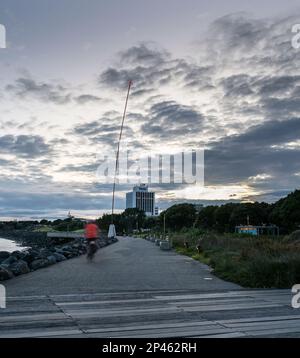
22, 262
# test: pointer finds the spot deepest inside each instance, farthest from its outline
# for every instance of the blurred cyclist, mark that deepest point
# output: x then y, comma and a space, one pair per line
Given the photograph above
92, 235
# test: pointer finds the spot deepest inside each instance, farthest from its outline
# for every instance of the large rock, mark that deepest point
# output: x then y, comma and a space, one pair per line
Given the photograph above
18, 254
30, 255
44, 253
9, 261
51, 259
5, 274
19, 268
59, 257
4, 255
39, 263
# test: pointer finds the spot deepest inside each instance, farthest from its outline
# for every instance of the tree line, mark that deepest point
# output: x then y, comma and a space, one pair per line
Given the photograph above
285, 213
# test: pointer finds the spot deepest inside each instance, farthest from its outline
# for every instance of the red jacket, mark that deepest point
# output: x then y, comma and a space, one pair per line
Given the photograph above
91, 231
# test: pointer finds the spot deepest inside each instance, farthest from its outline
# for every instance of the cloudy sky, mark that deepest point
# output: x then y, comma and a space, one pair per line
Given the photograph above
217, 73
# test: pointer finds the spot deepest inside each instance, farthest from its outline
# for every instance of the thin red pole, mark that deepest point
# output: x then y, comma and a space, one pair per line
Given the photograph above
118, 152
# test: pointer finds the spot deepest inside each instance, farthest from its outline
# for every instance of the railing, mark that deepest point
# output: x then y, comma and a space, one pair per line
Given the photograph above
65, 235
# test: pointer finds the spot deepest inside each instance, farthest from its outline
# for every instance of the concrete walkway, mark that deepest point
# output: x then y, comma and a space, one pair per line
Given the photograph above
128, 265
133, 289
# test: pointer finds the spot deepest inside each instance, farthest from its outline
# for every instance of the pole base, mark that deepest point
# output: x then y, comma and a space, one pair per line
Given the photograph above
112, 231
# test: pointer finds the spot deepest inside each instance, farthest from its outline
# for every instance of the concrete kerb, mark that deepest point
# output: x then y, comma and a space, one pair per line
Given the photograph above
165, 245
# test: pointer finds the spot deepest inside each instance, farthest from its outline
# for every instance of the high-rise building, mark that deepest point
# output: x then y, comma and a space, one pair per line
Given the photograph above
142, 199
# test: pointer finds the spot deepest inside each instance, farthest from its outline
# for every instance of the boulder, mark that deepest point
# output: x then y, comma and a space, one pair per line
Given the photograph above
17, 254
44, 253
67, 248
39, 263
9, 261
19, 268
5, 274
59, 251
59, 257
51, 259
4, 255
30, 255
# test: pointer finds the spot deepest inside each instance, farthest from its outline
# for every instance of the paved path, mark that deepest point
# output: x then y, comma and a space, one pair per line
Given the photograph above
133, 289
128, 265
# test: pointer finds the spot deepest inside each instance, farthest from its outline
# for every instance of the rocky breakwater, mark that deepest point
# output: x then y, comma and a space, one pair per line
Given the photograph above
22, 262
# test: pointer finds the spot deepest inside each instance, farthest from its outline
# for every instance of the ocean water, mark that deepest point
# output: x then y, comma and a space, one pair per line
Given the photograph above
10, 245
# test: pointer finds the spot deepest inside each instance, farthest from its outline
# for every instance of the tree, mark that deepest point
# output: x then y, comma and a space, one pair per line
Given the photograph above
179, 216
286, 212
257, 212
223, 215
206, 217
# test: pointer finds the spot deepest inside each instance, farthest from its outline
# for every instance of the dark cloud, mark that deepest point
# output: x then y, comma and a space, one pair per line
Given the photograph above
86, 98
238, 31
169, 119
24, 145
55, 200
281, 106
237, 85
101, 132
150, 68
260, 150
24, 87
144, 54
48, 92
277, 84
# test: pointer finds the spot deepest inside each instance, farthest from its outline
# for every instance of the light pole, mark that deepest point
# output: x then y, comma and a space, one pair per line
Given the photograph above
112, 229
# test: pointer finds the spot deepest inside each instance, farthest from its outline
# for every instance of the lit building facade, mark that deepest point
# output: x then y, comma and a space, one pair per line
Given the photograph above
142, 199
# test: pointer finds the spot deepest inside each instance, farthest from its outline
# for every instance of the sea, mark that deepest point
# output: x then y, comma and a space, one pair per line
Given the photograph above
10, 245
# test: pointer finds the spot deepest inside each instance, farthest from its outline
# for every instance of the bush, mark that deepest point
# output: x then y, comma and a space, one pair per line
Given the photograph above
259, 262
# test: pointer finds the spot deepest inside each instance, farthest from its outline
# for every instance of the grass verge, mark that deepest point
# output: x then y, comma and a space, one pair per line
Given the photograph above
258, 262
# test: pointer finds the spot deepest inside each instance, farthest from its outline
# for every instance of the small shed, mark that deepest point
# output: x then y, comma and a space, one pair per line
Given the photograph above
257, 230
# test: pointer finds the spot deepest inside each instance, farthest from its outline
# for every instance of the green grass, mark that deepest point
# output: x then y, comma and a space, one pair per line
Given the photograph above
258, 262
193, 254
44, 228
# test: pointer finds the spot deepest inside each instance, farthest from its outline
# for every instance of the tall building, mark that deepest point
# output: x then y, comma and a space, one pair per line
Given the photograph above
142, 199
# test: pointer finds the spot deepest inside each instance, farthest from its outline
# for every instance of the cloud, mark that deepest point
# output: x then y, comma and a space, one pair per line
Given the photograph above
104, 131
24, 87
238, 92
150, 68
24, 145
242, 157
237, 85
169, 119
86, 98
144, 53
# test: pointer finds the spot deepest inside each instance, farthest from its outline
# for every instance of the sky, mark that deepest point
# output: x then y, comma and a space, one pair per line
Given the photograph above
219, 74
